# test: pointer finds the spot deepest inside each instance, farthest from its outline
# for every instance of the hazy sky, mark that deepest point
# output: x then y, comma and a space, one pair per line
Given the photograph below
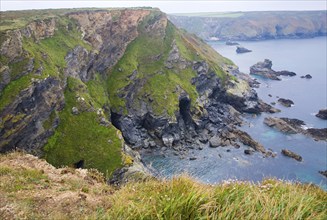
175, 6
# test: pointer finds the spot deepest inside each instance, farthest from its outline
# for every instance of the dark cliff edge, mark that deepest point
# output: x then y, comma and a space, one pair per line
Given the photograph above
87, 88
254, 25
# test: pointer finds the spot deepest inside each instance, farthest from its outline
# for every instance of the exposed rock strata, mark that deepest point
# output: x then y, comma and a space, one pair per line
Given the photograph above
294, 126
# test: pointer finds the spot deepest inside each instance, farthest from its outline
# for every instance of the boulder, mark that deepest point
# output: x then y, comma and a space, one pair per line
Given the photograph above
240, 49
291, 154
168, 140
322, 114
215, 141
249, 151
286, 102
75, 111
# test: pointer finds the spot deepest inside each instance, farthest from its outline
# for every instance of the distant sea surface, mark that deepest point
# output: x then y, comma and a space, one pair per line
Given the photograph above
303, 56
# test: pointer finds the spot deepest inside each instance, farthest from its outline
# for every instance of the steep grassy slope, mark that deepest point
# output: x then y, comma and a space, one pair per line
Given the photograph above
144, 66
254, 25
32, 189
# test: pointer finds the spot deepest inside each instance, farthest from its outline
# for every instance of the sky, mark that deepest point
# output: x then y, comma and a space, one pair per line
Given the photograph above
173, 6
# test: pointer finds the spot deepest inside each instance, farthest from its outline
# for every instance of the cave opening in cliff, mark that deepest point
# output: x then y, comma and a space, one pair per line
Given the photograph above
115, 119
184, 111
79, 164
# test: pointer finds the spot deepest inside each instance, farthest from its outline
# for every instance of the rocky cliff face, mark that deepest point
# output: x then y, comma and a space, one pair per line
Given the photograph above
76, 87
255, 25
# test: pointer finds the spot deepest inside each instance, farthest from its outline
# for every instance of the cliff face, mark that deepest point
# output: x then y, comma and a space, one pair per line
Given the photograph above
75, 87
255, 25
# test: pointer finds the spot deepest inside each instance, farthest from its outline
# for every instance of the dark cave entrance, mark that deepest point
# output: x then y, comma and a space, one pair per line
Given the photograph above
184, 111
79, 164
115, 119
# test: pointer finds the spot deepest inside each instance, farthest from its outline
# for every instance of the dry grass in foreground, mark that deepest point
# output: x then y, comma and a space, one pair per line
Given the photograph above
30, 188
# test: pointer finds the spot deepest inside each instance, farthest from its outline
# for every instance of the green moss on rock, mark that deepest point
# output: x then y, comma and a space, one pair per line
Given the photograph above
81, 137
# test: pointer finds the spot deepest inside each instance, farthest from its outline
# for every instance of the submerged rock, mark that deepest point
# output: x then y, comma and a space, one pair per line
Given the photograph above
240, 49
322, 114
286, 102
308, 76
324, 173
249, 151
291, 154
231, 43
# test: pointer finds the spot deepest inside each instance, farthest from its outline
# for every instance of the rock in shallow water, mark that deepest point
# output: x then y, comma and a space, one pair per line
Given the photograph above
249, 151
324, 173
286, 102
264, 69
291, 154
242, 50
215, 142
322, 114
308, 76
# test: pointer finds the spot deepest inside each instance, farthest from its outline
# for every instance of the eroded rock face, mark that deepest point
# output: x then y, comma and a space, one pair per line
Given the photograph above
40, 29
22, 125
109, 32
79, 61
12, 47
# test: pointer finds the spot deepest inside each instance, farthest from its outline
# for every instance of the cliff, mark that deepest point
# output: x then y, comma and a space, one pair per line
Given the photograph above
79, 86
254, 25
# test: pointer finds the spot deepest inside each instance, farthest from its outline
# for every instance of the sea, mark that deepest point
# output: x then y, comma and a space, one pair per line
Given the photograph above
214, 165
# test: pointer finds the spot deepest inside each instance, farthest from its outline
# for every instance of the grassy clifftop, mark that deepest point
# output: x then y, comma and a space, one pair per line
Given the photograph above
32, 189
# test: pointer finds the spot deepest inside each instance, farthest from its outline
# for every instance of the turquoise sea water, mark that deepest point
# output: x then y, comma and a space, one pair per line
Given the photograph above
305, 56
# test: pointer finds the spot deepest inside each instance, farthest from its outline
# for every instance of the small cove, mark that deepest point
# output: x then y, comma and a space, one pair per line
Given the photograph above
212, 165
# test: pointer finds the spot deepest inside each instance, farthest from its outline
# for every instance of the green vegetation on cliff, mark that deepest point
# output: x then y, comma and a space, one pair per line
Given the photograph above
81, 137
32, 189
154, 71
145, 60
